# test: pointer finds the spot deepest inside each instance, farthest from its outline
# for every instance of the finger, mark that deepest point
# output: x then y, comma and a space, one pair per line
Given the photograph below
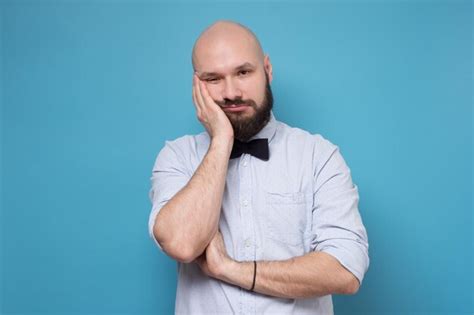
199, 105
205, 95
196, 103
194, 90
194, 97
198, 93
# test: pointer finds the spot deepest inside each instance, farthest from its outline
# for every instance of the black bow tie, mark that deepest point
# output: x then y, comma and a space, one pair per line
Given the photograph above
256, 147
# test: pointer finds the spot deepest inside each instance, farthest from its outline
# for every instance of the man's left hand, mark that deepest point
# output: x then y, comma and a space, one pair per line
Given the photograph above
215, 260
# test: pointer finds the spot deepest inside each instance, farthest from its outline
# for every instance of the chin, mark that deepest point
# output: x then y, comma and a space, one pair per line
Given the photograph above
240, 116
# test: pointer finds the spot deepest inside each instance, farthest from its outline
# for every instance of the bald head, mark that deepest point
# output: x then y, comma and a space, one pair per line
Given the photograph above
225, 35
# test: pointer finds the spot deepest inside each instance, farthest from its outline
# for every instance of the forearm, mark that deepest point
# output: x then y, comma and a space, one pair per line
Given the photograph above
314, 274
188, 221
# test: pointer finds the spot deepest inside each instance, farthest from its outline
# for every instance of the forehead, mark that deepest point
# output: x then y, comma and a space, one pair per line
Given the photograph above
225, 54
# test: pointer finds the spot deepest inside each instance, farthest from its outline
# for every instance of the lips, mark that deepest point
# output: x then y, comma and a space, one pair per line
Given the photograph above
228, 104
234, 105
235, 108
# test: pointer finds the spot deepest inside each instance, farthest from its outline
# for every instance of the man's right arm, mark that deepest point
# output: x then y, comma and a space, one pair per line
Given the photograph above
188, 221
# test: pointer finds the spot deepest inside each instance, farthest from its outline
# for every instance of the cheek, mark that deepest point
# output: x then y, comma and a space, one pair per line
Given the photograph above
256, 91
257, 84
213, 91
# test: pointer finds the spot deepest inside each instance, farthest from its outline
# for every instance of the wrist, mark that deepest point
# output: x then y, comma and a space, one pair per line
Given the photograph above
223, 140
239, 273
222, 144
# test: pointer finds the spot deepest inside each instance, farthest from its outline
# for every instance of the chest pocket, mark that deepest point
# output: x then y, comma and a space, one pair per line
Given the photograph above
285, 217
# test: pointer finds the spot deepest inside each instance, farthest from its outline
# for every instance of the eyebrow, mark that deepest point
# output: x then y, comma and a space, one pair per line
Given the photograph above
243, 66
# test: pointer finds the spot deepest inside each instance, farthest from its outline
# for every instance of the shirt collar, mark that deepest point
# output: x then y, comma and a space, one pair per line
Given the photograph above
269, 130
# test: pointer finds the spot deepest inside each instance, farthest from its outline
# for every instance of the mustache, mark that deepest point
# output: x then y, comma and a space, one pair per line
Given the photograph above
237, 101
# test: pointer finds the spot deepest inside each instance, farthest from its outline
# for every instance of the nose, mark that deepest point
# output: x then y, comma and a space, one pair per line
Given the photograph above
231, 90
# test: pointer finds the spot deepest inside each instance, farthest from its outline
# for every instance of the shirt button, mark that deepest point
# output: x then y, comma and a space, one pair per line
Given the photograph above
248, 242
245, 203
245, 163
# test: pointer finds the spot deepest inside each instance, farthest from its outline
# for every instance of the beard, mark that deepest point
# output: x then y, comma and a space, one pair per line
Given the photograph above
246, 127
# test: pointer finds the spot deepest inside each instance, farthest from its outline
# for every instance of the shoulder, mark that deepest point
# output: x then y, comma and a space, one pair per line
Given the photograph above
185, 151
186, 143
303, 137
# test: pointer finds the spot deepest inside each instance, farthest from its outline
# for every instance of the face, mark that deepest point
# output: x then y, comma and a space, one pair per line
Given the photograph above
238, 80
246, 127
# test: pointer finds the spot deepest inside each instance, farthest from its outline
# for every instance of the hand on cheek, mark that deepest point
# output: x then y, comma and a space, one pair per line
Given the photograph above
211, 116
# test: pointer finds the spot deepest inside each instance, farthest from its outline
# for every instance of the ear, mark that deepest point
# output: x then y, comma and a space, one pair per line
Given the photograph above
267, 65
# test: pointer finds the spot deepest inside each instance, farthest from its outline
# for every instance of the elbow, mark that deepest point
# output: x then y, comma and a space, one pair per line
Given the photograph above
181, 254
176, 243
351, 286
176, 248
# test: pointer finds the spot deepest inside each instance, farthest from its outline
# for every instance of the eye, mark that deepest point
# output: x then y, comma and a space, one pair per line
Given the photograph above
244, 72
212, 80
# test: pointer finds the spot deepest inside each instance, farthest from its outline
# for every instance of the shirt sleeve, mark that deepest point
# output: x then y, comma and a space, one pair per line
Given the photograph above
337, 225
169, 176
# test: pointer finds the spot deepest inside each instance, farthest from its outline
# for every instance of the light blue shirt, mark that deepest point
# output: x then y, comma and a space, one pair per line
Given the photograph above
301, 200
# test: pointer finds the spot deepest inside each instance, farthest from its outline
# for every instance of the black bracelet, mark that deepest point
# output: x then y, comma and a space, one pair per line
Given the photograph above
254, 275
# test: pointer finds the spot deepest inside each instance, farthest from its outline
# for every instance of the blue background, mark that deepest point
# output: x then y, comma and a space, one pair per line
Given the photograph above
91, 90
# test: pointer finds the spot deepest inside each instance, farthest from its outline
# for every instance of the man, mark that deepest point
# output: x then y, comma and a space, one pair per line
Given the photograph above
261, 217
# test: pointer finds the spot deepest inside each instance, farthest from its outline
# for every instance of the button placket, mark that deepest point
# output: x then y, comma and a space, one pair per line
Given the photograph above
248, 242
246, 208
247, 245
